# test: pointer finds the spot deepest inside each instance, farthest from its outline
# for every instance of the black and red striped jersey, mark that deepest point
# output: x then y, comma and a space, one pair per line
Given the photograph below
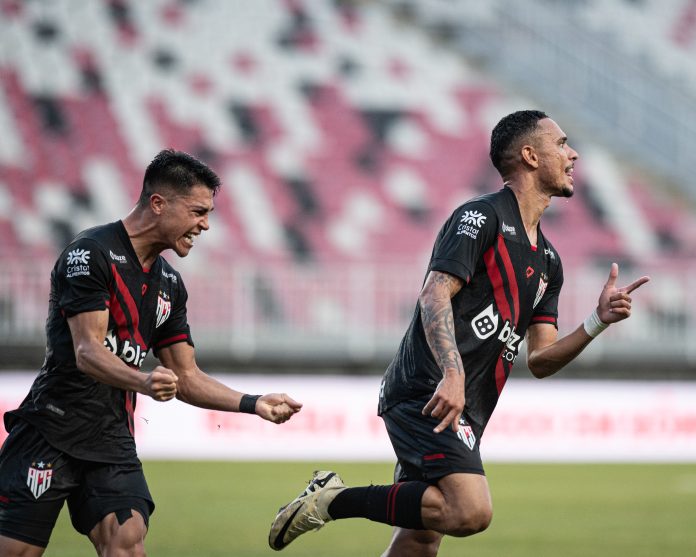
509, 284
147, 309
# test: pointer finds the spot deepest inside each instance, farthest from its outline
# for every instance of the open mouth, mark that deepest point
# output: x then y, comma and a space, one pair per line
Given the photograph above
188, 237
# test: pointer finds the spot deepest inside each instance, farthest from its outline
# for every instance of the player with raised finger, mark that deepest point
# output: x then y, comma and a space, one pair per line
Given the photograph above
493, 280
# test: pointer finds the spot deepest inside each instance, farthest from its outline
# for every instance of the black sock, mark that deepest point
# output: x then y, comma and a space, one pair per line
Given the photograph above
397, 504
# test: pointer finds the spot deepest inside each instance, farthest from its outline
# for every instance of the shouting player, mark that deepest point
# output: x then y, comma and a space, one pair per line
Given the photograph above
113, 298
493, 279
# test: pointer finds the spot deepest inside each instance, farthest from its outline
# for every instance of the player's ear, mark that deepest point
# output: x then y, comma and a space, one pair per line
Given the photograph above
157, 203
529, 156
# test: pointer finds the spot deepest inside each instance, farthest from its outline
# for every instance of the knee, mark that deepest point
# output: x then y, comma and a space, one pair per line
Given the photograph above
469, 522
113, 538
121, 547
134, 550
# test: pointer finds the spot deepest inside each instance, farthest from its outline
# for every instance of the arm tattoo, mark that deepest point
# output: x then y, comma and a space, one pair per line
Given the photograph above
438, 320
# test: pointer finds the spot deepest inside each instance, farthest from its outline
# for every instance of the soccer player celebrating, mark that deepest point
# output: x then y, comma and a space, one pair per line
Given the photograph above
113, 297
493, 279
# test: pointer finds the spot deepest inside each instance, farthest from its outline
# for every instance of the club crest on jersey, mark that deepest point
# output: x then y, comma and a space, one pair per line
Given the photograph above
78, 263
164, 308
39, 478
543, 283
470, 223
466, 434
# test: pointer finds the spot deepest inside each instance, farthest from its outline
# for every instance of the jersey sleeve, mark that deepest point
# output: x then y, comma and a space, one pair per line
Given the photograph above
546, 310
468, 233
176, 328
82, 277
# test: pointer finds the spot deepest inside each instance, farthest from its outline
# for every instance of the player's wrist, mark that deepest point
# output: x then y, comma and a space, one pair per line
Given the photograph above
593, 325
247, 404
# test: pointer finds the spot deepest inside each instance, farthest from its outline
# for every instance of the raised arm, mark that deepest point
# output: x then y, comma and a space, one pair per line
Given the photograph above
447, 403
546, 354
88, 331
199, 389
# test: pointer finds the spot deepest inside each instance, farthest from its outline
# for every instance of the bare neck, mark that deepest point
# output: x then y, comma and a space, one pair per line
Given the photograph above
143, 234
532, 203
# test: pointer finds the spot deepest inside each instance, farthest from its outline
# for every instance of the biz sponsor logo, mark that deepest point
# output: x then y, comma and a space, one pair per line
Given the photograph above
130, 352
550, 253
509, 336
485, 325
78, 263
39, 478
470, 223
119, 258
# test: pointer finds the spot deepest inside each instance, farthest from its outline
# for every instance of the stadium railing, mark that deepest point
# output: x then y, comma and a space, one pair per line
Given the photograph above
357, 312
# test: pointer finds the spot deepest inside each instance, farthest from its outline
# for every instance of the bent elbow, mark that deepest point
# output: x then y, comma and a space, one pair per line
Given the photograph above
83, 359
80, 358
537, 368
538, 373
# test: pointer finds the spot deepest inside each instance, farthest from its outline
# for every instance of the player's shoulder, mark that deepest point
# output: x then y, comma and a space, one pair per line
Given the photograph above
103, 236
90, 243
481, 210
550, 252
169, 273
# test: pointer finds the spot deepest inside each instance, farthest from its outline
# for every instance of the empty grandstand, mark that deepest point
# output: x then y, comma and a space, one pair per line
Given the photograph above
345, 133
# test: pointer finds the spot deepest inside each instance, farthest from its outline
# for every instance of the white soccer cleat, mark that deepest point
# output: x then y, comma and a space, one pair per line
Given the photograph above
308, 511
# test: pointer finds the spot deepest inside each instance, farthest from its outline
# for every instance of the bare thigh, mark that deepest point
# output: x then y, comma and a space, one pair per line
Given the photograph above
14, 548
112, 538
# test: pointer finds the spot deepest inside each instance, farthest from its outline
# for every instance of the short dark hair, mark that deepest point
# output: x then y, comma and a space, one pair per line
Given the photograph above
507, 134
176, 171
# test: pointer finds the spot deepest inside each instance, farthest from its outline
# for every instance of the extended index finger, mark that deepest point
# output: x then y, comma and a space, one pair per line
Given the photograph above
635, 284
449, 419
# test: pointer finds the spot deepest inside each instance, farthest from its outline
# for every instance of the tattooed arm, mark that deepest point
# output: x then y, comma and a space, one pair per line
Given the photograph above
447, 403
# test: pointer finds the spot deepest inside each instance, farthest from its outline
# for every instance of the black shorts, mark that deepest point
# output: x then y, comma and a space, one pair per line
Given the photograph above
425, 455
36, 479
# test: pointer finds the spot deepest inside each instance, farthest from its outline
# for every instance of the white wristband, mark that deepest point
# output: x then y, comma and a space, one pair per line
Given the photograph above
594, 325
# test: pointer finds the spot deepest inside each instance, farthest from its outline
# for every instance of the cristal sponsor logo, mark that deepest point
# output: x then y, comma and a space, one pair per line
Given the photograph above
550, 253
170, 276
39, 478
509, 229
78, 263
471, 223
131, 353
78, 256
119, 258
474, 217
466, 434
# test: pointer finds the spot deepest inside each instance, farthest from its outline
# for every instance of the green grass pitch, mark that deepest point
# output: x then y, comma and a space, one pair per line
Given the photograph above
211, 509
